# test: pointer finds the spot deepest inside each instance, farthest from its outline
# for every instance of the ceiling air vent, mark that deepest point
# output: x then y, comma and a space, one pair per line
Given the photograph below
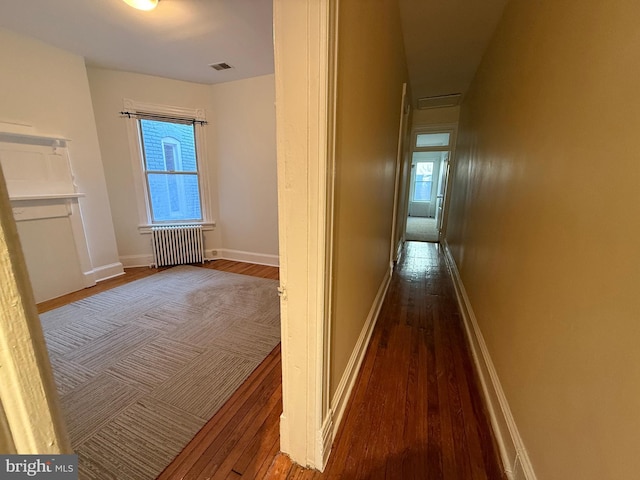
439, 101
220, 66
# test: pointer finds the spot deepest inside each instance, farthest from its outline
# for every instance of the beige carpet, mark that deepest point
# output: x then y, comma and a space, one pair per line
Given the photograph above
422, 229
142, 367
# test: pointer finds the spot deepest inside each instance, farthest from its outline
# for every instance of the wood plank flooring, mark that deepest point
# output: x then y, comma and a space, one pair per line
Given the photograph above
415, 412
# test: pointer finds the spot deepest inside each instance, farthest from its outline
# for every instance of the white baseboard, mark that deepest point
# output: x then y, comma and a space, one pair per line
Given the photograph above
241, 256
399, 250
324, 440
348, 380
285, 442
129, 261
88, 279
105, 272
146, 260
515, 458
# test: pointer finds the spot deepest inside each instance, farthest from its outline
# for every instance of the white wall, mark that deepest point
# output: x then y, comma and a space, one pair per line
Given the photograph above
108, 89
244, 147
47, 88
240, 154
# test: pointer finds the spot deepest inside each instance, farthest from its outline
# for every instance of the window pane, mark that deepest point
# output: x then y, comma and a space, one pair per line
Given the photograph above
168, 146
422, 191
169, 156
423, 182
424, 169
433, 140
174, 197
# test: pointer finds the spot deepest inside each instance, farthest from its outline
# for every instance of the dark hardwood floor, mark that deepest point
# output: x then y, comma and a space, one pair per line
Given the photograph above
415, 411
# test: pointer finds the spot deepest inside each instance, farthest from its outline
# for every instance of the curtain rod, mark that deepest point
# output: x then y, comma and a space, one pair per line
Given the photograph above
162, 117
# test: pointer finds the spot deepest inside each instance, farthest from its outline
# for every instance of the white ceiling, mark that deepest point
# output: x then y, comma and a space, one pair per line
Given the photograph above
179, 39
444, 39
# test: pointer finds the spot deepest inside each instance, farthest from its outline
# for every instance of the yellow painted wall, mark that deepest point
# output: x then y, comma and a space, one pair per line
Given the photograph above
371, 71
545, 228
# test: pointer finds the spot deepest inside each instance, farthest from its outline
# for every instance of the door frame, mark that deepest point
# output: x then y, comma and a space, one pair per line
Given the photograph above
397, 234
416, 130
31, 421
305, 38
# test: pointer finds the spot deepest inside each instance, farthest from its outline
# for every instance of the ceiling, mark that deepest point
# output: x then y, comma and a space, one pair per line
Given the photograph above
444, 42
179, 39
444, 39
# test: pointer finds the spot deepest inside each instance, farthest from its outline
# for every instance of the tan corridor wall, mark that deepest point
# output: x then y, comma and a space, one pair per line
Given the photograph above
545, 228
371, 71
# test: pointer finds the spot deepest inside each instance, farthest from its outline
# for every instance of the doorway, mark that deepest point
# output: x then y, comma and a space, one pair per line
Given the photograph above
431, 152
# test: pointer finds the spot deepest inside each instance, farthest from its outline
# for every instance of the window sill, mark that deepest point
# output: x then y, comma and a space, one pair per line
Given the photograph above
146, 228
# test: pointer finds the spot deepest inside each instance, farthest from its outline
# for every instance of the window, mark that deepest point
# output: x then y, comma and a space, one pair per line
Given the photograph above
433, 139
171, 170
423, 182
167, 149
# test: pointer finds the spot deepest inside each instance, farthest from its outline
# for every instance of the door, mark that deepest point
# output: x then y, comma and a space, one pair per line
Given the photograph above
442, 183
425, 176
431, 155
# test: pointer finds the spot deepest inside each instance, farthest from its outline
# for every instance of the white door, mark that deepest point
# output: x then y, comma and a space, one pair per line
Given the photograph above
425, 173
441, 189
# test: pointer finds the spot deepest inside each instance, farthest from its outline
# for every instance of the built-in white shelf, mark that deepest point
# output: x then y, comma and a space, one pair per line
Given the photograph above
34, 139
46, 208
53, 196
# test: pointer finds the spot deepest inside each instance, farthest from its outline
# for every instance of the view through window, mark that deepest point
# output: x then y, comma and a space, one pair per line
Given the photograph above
423, 182
171, 170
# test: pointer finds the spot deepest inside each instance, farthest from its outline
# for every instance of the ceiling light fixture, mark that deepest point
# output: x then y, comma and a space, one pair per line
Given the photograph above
142, 4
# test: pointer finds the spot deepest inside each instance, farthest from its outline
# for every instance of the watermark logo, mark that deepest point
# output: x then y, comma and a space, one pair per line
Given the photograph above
49, 467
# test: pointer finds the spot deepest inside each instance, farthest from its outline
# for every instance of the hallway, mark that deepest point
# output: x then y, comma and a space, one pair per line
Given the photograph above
415, 412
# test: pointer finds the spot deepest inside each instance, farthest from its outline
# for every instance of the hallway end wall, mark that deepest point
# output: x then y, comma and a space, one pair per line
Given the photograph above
544, 230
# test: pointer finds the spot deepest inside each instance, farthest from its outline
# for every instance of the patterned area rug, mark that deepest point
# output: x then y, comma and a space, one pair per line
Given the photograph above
142, 367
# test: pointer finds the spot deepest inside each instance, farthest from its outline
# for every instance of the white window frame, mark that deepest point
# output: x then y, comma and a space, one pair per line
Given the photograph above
137, 159
431, 129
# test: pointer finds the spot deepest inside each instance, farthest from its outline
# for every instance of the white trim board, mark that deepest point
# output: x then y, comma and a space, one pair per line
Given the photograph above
137, 156
146, 259
304, 39
515, 459
142, 260
348, 380
242, 256
105, 272
31, 418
